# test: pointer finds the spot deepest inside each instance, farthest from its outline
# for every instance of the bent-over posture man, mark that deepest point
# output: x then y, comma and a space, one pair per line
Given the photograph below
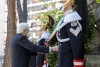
21, 47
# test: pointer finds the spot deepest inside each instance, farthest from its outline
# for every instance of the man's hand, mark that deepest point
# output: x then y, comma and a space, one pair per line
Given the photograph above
54, 48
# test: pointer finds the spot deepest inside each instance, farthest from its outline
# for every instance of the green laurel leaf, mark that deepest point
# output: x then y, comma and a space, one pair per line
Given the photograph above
98, 1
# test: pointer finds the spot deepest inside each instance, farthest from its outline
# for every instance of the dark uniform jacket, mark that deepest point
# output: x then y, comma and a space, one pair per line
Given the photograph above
21, 48
33, 59
40, 57
70, 40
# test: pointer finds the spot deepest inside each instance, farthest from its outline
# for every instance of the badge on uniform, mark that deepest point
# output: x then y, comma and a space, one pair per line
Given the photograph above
74, 24
75, 32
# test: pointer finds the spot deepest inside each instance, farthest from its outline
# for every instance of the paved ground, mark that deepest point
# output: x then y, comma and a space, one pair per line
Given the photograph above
92, 60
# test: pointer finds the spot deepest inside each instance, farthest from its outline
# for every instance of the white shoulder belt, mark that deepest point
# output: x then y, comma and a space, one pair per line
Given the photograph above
62, 40
68, 19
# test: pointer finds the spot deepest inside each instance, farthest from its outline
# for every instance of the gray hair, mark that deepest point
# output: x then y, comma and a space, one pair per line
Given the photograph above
21, 27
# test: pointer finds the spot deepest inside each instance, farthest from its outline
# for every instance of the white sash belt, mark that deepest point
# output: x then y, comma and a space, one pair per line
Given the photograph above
62, 40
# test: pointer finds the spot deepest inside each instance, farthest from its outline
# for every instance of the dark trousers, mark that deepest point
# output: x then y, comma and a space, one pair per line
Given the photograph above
33, 61
40, 60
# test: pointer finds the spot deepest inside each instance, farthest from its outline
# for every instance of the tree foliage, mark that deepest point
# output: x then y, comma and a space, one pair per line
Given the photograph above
98, 1
90, 28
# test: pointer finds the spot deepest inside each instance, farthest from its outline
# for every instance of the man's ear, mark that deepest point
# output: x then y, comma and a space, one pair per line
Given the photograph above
23, 31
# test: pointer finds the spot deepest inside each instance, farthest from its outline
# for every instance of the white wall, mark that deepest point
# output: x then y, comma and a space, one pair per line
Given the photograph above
2, 19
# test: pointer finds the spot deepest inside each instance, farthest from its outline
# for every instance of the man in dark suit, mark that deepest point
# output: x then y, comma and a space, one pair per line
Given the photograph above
21, 47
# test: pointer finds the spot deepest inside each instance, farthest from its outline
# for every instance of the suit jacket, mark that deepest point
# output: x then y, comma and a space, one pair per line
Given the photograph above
21, 48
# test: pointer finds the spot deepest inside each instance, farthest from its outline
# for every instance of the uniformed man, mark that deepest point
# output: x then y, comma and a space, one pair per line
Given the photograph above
70, 37
41, 58
42, 41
